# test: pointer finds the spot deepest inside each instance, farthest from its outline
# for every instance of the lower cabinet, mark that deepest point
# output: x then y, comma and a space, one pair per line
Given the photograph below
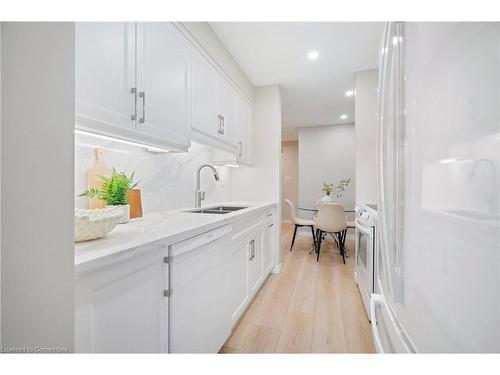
238, 274
268, 244
157, 299
251, 262
255, 273
122, 308
200, 320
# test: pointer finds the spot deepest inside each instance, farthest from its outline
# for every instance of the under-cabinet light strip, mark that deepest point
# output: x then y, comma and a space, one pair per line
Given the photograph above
148, 147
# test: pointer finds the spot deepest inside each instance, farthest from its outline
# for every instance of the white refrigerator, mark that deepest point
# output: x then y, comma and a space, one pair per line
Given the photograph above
438, 273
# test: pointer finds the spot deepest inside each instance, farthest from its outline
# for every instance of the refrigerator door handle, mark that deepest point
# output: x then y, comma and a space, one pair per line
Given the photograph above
376, 299
400, 144
389, 170
381, 124
385, 52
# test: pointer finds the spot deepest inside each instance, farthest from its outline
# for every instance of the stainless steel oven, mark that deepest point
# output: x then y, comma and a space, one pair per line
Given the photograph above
364, 269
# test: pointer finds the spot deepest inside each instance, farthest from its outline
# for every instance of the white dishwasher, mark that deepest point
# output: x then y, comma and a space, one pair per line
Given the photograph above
199, 310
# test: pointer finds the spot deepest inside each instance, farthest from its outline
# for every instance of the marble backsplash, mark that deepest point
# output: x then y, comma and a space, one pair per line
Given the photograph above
167, 180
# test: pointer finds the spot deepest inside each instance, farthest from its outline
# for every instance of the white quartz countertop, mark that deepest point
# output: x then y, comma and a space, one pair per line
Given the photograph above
170, 226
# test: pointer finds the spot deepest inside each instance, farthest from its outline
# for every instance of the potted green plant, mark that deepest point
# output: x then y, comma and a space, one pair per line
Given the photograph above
114, 191
331, 190
327, 188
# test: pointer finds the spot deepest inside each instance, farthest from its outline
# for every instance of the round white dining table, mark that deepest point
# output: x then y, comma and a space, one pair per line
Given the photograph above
317, 209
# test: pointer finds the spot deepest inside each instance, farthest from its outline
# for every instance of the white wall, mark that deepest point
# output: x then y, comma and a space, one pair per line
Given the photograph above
0, 184
206, 37
366, 85
262, 181
290, 173
38, 71
326, 153
167, 181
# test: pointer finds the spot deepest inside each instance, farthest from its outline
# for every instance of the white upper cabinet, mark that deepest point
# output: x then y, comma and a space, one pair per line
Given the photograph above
203, 100
145, 82
244, 130
131, 82
162, 61
105, 74
213, 105
226, 104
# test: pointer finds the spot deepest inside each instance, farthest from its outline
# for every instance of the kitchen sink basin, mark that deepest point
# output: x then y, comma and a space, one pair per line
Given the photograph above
228, 208
217, 210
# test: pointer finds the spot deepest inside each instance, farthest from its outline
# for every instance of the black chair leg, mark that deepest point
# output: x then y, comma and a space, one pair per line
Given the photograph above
314, 237
320, 239
342, 244
293, 239
335, 239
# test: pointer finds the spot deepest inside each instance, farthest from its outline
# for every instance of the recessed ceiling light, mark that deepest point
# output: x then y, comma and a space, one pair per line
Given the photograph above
312, 55
349, 93
343, 117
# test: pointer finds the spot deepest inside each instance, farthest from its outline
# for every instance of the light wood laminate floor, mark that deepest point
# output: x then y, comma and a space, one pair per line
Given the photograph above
310, 307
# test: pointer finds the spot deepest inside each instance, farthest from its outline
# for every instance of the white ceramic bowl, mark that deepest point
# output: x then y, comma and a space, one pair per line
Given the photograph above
95, 223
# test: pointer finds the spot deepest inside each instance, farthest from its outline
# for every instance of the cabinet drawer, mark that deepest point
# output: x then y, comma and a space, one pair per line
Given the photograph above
245, 226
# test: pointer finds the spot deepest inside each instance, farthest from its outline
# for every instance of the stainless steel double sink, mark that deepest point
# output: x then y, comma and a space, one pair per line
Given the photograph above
220, 210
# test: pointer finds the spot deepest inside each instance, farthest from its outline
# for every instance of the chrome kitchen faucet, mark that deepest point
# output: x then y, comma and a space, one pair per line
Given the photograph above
199, 195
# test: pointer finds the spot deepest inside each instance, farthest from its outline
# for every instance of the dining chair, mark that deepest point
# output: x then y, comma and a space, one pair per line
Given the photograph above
298, 222
331, 220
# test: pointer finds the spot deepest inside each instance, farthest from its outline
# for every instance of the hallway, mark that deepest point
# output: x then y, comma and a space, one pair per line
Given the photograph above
310, 307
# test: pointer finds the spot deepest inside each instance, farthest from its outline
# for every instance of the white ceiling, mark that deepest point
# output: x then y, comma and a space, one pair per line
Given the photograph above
312, 91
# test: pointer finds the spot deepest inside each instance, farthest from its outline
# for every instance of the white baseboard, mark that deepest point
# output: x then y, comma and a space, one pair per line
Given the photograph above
276, 268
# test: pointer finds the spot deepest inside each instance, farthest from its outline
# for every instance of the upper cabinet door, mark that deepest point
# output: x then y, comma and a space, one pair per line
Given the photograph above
162, 83
226, 103
105, 75
244, 130
204, 101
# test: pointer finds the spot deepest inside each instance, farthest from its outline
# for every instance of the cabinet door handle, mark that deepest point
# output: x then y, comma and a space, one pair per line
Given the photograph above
142, 95
223, 124
133, 91
252, 250
241, 149
219, 118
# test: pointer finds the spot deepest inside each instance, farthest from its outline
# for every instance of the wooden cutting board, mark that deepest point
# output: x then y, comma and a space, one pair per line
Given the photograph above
93, 180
